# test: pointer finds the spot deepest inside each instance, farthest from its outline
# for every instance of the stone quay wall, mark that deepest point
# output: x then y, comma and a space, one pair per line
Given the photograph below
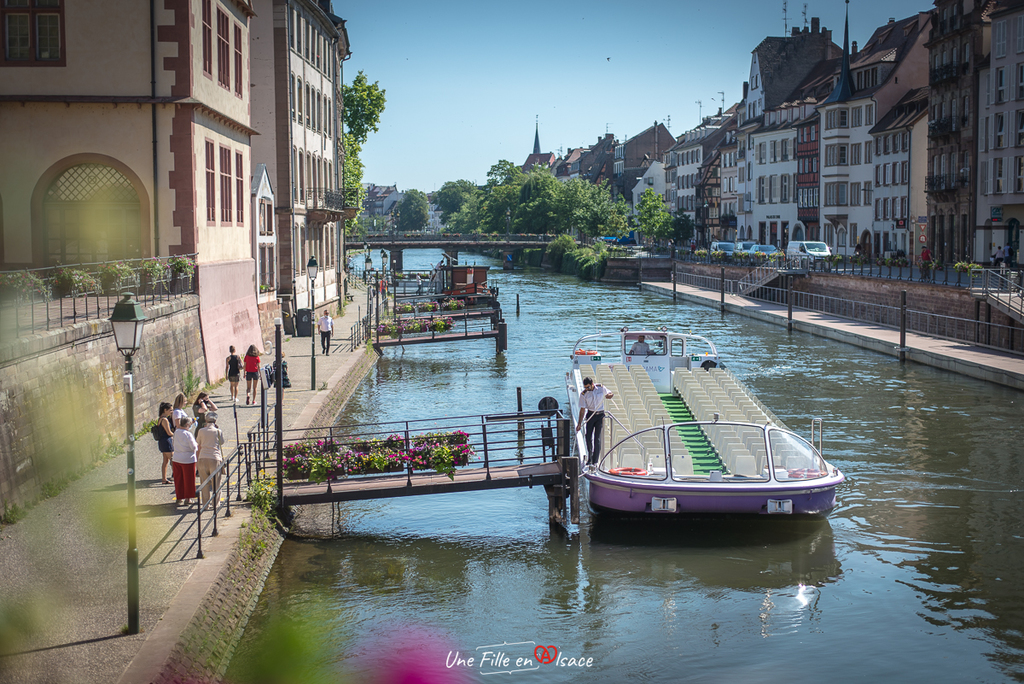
62, 399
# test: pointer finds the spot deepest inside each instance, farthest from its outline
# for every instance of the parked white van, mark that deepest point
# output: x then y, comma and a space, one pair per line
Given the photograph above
813, 250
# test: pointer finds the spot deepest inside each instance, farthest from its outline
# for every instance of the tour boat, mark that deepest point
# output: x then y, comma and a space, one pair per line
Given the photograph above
683, 436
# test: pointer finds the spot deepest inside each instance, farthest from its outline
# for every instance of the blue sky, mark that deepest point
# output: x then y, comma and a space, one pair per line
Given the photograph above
465, 80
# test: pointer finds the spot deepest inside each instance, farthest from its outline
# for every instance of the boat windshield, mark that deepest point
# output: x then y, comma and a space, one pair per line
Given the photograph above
794, 458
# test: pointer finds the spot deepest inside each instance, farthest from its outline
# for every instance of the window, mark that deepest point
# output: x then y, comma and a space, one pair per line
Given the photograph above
784, 195
1018, 163
854, 194
1020, 33
1020, 80
211, 183
223, 50
999, 39
1000, 84
869, 115
291, 32
33, 32
878, 210
225, 185
298, 34
867, 152
238, 61
291, 95
904, 172
855, 153
299, 100
239, 190
999, 130
867, 194
857, 116
301, 164
309, 106
997, 174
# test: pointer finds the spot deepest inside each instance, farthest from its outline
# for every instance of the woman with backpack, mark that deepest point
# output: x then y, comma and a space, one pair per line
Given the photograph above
233, 371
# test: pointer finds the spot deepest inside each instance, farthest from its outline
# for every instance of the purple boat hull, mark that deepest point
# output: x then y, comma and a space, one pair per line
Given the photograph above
616, 496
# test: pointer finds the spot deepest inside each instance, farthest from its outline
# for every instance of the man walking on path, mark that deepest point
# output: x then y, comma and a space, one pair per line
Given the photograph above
326, 325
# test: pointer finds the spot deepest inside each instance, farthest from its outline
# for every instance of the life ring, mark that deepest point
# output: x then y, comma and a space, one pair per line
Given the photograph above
586, 352
635, 472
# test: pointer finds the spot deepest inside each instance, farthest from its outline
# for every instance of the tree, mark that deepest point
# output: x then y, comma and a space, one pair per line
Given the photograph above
363, 104
504, 173
467, 218
682, 229
588, 209
651, 216
452, 196
413, 212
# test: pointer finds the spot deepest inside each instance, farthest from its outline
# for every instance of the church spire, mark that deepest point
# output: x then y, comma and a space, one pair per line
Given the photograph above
536, 137
843, 91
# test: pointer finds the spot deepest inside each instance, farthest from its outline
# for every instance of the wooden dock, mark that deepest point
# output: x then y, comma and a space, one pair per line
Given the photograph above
403, 484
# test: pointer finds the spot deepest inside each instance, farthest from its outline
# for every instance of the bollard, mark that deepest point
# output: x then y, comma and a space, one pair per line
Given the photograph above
517, 303
789, 303
722, 289
903, 326
673, 281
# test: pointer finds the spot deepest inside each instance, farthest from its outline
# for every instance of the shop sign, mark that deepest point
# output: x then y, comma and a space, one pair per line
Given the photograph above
997, 213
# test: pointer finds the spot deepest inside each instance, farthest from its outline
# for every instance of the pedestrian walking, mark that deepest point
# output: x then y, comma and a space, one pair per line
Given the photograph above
326, 325
997, 258
209, 457
201, 407
592, 402
252, 374
233, 372
183, 462
282, 374
166, 441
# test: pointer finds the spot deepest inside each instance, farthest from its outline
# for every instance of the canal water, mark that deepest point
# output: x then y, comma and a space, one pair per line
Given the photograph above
916, 577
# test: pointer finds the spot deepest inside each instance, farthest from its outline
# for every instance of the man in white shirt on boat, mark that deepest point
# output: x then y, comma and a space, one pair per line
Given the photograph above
592, 403
640, 348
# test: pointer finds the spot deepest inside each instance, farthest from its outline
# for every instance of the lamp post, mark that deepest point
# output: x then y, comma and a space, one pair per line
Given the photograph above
127, 321
311, 270
508, 223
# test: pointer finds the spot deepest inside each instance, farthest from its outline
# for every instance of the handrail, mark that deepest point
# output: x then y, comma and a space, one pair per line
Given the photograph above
1008, 292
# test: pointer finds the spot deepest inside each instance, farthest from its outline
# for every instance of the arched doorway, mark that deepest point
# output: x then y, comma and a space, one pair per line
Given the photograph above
798, 232
865, 243
91, 212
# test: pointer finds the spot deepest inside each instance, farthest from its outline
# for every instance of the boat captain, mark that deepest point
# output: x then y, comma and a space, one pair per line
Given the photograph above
640, 348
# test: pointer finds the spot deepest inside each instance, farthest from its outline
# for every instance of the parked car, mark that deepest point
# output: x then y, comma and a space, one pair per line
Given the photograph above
804, 248
747, 246
727, 247
766, 249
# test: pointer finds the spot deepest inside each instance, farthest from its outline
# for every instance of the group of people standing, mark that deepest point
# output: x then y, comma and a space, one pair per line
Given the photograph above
190, 454
1003, 257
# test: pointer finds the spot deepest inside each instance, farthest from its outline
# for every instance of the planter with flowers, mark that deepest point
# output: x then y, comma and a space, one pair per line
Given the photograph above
151, 272
452, 305
17, 286
182, 268
74, 281
115, 276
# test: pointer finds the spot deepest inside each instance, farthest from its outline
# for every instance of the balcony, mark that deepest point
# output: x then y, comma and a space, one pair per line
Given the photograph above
943, 73
327, 204
940, 127
946, 182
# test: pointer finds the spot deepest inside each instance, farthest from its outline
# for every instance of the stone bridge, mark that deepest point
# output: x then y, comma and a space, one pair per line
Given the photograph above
452, 244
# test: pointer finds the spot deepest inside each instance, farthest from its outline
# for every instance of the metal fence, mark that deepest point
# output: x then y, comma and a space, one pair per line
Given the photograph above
39, 299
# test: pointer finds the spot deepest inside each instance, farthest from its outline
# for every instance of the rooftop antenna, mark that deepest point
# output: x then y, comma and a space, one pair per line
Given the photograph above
668, 122
722, 93
805, 16
785, 19
700, 110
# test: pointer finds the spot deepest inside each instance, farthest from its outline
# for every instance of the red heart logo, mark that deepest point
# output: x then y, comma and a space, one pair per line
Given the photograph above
545, 655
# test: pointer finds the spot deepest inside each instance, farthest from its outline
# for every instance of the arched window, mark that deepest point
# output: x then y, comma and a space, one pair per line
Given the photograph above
91, 213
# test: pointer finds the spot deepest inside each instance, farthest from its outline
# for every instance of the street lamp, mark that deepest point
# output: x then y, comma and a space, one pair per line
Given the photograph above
127, 321
508, 219
311, 270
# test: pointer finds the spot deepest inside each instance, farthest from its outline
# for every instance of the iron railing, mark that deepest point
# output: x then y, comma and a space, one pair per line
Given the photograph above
38, 299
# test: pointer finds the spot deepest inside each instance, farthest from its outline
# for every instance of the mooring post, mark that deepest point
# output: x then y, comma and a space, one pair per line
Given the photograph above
789, 304
572, 472
502, 339
521, 431
673, 280
722, 289
903, 326
517, 303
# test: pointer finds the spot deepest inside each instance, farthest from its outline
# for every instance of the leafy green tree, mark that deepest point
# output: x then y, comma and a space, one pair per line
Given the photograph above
651, 216
682, 229
413, 212
467, 218
588, 209
504, 173
499, 204
452, 196
363, 104
537, 210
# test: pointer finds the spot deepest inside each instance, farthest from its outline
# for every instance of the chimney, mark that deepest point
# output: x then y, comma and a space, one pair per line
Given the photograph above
828, 35
853, 48
796, 31
815, 23
892, 20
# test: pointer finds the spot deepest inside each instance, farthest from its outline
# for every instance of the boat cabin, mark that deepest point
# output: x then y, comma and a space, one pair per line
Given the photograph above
659, 352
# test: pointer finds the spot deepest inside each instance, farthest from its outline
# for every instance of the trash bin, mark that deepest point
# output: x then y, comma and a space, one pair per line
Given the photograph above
304, 323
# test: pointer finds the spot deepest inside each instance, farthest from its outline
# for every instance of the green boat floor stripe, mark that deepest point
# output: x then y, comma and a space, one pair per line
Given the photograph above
702, 453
